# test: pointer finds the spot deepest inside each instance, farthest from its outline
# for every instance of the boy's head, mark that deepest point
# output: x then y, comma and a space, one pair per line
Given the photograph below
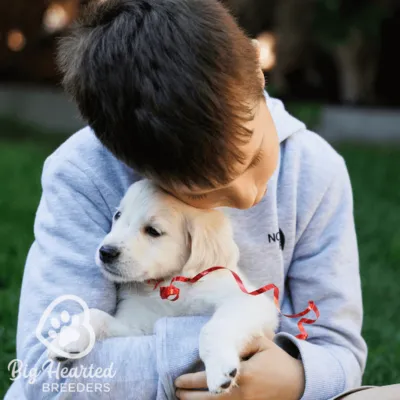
174, 89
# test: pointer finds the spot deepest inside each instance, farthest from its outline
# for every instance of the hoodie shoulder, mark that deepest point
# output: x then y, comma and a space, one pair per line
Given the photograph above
311, 162
313, 149
86, 153
82, 149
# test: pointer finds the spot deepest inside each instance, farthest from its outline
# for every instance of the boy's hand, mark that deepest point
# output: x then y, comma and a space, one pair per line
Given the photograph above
270, 374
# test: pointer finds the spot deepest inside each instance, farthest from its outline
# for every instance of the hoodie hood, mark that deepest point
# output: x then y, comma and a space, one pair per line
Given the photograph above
285, 123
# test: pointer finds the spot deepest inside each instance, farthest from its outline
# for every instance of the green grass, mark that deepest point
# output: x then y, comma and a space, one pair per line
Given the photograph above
374, 173
309, 113
376, 184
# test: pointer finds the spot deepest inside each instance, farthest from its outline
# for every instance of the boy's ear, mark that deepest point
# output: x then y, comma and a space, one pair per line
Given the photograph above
211, 242
257, 46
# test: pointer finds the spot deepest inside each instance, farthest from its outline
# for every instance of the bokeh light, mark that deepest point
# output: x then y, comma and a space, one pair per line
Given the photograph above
16, 40
267, 43
55, 18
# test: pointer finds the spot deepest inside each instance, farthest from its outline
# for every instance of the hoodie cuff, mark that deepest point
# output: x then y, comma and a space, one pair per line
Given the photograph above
324, 376
177, 344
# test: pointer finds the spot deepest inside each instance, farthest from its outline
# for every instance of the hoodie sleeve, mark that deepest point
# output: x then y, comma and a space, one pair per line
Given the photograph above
71, 221
325, 263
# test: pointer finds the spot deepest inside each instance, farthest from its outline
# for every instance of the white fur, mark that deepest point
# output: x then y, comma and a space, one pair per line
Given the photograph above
192, 240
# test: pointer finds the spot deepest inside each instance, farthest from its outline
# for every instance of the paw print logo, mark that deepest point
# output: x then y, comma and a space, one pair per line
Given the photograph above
69, 336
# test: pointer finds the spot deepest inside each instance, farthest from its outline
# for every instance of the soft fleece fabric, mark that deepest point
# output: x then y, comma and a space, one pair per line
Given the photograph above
314, 257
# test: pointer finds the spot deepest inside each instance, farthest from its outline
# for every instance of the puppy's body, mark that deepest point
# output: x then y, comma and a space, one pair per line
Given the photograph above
149, 307
155, 236
200, 298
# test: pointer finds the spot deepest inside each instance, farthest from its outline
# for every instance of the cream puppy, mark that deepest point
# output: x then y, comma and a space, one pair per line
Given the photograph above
155, 236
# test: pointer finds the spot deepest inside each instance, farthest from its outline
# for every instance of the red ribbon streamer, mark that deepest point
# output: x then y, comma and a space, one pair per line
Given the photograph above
168, 291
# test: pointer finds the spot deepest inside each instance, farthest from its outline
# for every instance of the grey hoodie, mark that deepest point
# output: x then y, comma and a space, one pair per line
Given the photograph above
300, 237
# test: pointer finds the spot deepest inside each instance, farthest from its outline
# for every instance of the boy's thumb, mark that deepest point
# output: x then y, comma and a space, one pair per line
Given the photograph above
256, 345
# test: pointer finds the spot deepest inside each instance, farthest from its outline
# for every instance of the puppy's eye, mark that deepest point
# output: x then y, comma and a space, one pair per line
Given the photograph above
117, 215
153, 232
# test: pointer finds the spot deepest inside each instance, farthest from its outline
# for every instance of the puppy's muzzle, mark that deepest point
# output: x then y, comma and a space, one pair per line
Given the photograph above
108, 254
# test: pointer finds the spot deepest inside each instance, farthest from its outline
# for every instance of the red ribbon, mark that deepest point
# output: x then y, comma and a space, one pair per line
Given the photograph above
168, 291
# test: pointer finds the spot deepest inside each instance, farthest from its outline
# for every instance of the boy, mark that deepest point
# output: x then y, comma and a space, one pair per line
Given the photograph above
172, 91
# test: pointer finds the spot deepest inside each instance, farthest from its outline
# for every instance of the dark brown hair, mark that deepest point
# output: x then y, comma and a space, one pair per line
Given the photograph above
166, 85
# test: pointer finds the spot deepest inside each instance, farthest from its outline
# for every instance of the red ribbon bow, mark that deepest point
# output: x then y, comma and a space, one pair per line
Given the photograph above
168, 291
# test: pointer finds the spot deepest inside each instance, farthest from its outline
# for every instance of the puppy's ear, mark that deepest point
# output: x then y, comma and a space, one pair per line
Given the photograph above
211, 240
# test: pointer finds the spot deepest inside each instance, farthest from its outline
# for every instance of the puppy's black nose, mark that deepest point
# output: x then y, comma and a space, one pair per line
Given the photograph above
108, 253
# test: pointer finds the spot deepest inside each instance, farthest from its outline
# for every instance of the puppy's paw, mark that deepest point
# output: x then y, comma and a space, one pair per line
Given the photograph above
222, 371
72, 341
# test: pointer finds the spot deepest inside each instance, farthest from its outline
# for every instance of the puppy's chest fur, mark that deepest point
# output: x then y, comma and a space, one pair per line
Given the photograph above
140, 305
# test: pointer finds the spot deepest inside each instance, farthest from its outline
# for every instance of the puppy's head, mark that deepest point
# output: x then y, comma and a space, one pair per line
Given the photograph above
156, 236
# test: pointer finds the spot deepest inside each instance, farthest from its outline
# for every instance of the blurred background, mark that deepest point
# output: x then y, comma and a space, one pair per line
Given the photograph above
333, 62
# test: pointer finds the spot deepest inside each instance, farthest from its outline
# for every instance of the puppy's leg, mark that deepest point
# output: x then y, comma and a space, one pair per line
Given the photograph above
235, 323
76, 338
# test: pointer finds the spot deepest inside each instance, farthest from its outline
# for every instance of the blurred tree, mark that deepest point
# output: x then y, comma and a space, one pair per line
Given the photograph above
350, 31
293, 21
254, 16
22, 17
27, 32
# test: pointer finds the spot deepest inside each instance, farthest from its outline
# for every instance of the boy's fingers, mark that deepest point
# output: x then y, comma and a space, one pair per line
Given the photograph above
257, 345
270, 335
196, 380
197, 395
